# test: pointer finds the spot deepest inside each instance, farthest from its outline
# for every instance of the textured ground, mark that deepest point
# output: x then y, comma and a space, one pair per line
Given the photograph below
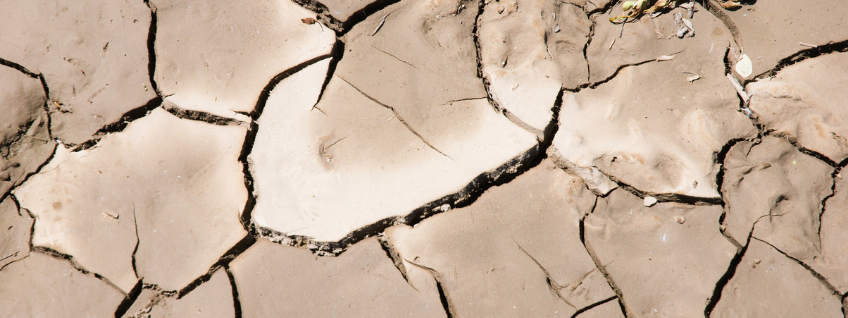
429, 158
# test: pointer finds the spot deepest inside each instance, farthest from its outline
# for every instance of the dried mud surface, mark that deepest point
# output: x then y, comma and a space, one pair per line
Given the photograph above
458, 158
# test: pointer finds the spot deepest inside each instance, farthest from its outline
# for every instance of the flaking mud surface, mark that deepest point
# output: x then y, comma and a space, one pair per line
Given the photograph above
460, 158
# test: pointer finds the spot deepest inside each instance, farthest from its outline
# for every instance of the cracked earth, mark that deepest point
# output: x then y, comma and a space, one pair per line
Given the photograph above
429, 158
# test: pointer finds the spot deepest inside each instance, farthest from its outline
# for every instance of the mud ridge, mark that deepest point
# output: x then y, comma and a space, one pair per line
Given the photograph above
118, 125
601, 267
130, 299
196, 115
590, 307
447, 304
832, 47
222, 262
550, 281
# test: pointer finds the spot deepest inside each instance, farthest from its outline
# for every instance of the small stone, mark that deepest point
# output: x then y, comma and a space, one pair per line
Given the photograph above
650, 201
680, 219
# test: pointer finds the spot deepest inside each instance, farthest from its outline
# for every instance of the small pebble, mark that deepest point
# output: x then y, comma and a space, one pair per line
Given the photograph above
650, 201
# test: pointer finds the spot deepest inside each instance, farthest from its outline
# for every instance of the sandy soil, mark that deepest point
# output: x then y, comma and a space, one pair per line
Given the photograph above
425, 158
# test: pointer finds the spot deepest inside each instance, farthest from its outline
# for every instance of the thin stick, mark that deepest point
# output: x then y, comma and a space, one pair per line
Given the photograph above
383, 21
808, 44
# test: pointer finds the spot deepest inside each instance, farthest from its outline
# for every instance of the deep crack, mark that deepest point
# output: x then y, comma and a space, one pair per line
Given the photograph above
602, 268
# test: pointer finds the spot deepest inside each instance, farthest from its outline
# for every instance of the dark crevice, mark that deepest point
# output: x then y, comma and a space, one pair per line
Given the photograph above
589, 38
447, 304
266, 91
197, 115
336, 53
666, 197
812, 271
20, 68
236, 300
833, 176
481, 5
592, 306
223, 261
129, 300
137, 243
601, 267
120, 124
611, 77
393, 254
151, 47
728, 275
832, 47
58, 255
791, 139
604, 9
720, 157
362, 14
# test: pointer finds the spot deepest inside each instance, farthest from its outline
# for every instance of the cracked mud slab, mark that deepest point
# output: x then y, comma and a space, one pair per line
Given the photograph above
15, 228
25, 142
767, 284
778, 188
126, 209
806, 103
352, 160
665, 259
509, 158
362, 282
48, 287
520, 236
92, 55
651, 129
212, 299
775, 31
217, 56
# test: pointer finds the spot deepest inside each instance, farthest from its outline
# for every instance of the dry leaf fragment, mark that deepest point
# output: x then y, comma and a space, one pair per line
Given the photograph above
308, 20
